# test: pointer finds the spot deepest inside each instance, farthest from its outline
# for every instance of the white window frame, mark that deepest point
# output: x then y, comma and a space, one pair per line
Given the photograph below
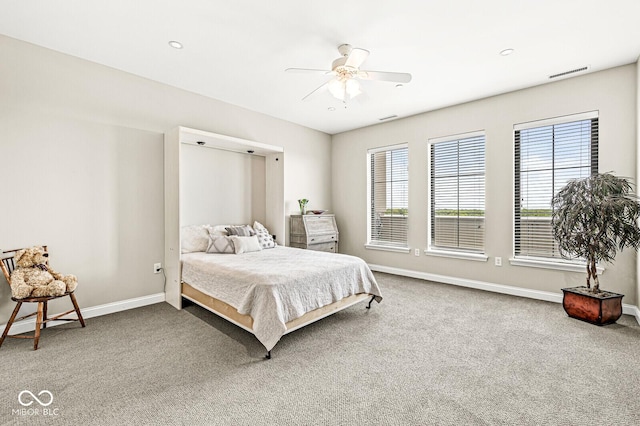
437, 251
370, 244
545, 262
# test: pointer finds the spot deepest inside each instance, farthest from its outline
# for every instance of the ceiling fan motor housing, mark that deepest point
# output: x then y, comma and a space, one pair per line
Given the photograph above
344, 71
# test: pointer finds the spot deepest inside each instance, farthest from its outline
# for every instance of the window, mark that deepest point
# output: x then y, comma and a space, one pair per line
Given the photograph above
388, 197
548, 154
457, 193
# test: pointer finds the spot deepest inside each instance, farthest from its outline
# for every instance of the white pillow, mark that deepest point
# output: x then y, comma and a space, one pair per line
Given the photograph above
245, 244
220, 244
264, 237
194, 238
218, 230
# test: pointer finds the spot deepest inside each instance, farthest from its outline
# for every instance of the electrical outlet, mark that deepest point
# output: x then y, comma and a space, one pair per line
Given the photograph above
157, 267
498, 261
416, 252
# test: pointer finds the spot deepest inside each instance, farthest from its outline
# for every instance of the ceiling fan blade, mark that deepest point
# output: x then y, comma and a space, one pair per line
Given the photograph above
356, 57
321, 88
397, 77
308, 71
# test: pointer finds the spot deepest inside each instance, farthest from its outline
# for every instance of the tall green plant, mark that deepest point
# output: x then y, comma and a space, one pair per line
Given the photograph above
595, 217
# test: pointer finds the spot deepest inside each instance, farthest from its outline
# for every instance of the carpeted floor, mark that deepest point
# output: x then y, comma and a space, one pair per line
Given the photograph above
429, 354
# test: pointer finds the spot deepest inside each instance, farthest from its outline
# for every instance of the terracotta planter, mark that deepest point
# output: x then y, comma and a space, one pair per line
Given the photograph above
595, 309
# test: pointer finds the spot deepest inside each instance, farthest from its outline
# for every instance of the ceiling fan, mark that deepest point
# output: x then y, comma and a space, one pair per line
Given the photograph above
346, 73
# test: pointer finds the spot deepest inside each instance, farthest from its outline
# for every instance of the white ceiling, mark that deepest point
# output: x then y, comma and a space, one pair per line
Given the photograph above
237, 51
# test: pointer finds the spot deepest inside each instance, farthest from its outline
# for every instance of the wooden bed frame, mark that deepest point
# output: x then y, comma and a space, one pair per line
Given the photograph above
231, 314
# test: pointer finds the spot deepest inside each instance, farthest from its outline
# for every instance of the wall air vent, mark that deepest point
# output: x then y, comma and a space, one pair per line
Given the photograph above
388, 118
562, 74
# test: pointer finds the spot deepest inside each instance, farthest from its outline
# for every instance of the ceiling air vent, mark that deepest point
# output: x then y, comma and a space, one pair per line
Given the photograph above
388, 118
562, 74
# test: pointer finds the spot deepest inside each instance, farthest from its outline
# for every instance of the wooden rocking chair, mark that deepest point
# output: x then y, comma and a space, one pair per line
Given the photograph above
8, 265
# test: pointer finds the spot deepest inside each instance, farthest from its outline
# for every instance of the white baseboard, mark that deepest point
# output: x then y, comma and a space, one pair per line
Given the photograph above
496, 288
28, 325
636, 313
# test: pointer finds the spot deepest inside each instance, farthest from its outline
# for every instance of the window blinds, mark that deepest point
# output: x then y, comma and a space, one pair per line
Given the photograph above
458, 194
546, 158
389, 196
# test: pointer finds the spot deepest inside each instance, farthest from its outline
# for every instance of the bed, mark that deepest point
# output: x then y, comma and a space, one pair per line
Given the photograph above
273, 292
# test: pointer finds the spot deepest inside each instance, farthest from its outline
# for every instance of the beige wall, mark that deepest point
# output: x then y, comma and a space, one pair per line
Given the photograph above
611, 92
82, 166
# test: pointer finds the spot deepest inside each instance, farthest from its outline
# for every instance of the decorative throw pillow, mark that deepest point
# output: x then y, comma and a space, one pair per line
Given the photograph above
194, 238
220, 244
240, 230
245, 244
264, 237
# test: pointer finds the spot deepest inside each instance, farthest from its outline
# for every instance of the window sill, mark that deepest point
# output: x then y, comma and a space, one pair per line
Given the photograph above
387, 248
534, 262
478, 257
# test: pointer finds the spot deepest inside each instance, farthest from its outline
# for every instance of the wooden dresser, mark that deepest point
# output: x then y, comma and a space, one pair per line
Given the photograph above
314, 232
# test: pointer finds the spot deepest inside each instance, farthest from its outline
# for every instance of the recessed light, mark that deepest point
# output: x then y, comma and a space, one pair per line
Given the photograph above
399, 86
175, 44
506, 52
331, 109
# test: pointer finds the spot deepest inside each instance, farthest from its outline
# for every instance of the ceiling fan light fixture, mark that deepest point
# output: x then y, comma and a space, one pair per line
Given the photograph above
337, 89
352, 87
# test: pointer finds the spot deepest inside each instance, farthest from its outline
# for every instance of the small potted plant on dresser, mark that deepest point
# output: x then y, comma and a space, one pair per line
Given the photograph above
594, 218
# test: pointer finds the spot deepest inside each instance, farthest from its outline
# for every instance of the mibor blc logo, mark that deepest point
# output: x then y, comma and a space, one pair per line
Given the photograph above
35, 405
25, 401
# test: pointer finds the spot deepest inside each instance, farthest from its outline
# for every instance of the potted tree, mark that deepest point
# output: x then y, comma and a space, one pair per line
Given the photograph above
593, 218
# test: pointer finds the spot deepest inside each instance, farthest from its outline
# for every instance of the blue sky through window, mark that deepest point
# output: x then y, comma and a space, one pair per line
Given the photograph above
397, 175
550, 156
458, 168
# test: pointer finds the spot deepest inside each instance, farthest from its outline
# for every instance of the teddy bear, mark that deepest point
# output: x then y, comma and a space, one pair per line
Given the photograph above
32, 277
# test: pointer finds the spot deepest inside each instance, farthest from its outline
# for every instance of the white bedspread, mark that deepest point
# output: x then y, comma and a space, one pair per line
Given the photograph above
278, 285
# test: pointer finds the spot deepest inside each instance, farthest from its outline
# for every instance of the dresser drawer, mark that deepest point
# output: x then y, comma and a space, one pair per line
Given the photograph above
330, 247
316, 239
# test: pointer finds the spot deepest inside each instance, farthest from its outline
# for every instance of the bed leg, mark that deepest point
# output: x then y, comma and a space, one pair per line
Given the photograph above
268, 355
370, 302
